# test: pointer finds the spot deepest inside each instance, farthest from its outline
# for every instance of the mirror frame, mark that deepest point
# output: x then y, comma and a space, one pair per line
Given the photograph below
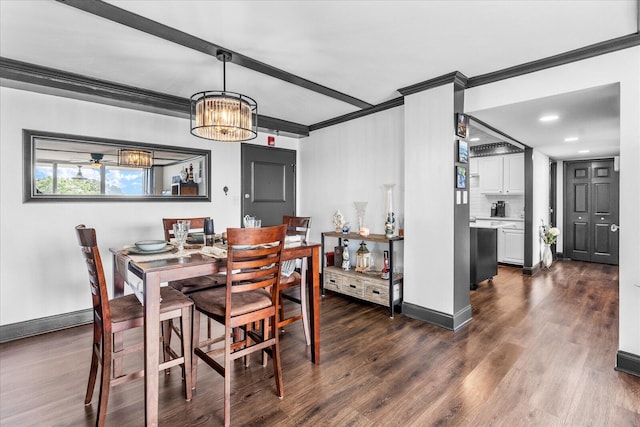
29, 158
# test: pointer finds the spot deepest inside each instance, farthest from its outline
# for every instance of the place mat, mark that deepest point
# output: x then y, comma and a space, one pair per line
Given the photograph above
214, 251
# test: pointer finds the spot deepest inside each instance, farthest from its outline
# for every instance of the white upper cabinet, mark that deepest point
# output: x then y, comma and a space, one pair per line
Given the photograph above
514, 174
501, 174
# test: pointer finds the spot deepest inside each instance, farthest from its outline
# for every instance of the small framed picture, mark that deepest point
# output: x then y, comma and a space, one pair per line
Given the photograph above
463, 151
462, 125
461, 177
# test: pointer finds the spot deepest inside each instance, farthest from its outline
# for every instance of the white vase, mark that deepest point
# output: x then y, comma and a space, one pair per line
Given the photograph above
547, 256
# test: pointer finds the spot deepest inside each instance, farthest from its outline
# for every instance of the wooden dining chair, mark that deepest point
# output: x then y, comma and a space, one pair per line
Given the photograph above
249, 298
296, 226
193, 284
112, 318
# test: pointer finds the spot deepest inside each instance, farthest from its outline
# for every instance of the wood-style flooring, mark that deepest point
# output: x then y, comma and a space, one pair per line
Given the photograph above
539, 351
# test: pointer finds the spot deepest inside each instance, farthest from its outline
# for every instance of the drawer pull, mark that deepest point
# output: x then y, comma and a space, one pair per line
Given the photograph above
332, 281
376, 292
352, 286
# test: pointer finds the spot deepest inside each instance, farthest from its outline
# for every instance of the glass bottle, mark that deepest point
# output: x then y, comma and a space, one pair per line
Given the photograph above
385, 268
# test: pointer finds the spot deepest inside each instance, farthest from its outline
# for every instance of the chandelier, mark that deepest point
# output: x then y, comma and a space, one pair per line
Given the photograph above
136, 158
221, 115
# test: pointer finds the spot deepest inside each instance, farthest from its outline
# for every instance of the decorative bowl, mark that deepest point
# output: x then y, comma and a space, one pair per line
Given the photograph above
151, 245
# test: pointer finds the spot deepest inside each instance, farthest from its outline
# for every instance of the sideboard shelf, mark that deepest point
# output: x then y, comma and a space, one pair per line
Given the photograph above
368, 286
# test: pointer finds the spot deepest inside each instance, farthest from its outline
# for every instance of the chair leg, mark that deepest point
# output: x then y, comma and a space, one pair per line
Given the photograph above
275, 356
105, 380
195, 339
227, 377
93, 372
118, 345
187, 351
167, 326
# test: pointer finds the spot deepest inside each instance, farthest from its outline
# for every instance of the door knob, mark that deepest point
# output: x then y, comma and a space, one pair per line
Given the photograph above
614, 227
247, 195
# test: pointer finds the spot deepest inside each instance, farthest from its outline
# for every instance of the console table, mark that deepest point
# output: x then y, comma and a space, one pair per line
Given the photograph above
368, 286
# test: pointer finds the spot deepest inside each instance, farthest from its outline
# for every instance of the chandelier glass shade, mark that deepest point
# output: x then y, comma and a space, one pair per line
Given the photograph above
221, 115
136, 158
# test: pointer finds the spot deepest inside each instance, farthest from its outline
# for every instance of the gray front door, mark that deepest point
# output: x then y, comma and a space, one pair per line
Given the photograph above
591, 209
268, 183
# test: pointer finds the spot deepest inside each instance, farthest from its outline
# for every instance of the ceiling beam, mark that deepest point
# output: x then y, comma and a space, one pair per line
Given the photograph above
23, 75
140, 23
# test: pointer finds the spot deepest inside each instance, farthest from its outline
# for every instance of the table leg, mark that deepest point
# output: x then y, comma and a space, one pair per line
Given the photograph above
151, 283
118, 338
314, 291
118, 280
304, 271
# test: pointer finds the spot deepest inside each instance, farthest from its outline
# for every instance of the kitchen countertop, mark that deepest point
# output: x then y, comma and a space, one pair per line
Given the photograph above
499, 218
494, 223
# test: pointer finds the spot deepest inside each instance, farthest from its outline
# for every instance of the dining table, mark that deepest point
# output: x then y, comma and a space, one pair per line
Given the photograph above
153, 269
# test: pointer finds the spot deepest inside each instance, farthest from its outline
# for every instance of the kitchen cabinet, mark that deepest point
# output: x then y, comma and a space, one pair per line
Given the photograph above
368, 286
501, 175
511, 243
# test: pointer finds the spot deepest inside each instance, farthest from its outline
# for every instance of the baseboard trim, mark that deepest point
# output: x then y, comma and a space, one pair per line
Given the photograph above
628, 363
444, 320
43, 325
531, 271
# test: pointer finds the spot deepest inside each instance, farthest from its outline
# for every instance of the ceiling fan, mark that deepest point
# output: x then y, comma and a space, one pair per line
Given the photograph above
96, 160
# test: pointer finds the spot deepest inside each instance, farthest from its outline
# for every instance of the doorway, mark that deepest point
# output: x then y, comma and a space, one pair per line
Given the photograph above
268, 183
591, 211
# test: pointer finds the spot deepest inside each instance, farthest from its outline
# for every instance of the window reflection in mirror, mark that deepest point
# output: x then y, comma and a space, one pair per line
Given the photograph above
72, 167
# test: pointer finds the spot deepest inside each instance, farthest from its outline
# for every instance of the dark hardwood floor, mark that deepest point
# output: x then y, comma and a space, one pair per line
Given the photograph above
539, 351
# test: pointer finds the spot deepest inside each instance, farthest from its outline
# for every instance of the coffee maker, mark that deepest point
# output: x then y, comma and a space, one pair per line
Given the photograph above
500, 208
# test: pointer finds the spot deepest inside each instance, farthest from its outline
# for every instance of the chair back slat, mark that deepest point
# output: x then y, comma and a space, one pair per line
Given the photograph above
256, 263
297, 226
196, 226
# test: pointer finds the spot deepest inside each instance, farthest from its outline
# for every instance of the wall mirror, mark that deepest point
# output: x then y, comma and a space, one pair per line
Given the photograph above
60, 167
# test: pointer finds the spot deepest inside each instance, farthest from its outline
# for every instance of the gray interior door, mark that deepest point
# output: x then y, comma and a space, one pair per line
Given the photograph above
268, 183
591, 209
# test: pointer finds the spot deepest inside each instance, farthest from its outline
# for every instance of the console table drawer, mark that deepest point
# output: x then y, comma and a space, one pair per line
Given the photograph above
353, 287
379, 294
332, 281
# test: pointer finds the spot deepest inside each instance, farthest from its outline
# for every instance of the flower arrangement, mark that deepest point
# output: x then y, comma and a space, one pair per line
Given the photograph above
548, 234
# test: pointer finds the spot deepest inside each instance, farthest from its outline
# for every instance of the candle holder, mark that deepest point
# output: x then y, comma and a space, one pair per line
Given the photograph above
361, 208
390, 219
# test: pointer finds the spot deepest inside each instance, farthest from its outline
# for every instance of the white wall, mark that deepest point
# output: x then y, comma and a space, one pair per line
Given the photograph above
350, 162
41, 269
540, 208
623, 67
560, 205
429, 203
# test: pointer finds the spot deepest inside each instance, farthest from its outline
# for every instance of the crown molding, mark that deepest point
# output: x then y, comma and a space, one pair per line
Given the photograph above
396, 102
586, 52
456, 77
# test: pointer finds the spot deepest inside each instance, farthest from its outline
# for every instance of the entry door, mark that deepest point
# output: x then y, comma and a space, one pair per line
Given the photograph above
268, 183
591, 206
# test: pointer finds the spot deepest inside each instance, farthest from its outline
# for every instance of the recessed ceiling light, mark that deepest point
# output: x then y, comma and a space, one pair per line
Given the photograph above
571, 139
548, 118
474, 139
583, 151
